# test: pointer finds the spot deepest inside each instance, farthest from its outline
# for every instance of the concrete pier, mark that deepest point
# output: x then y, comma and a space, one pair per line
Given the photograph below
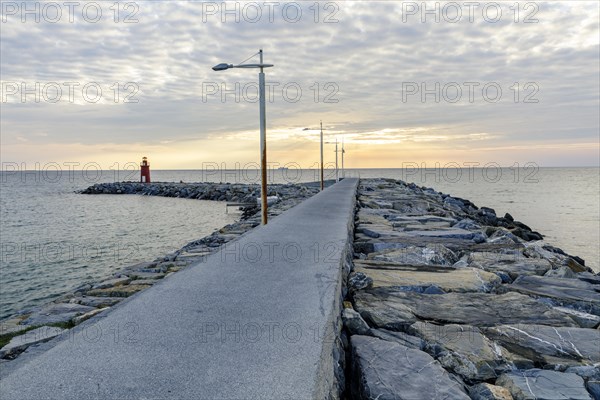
256, 320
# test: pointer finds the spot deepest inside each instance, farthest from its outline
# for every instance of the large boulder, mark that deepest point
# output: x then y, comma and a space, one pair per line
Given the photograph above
514, 264
55, 313
549, 345
537, 384
20, 343
487, 391
354, 323
575, 293
395, 309
435, 254
462, 349
387, 370
412, 277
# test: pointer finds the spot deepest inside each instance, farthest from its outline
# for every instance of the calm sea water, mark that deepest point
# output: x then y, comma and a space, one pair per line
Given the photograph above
53, 239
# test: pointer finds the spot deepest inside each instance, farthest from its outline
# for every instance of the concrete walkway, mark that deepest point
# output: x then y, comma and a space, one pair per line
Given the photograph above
253, 321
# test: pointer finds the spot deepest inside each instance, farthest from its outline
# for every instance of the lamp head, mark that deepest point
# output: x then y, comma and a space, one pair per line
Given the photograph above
222, 67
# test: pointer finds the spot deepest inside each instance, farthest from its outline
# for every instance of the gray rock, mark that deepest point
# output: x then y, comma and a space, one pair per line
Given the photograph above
562, 272
388, 370
394, 309
487, 391
461, 349
587, 372
11, 325
56, 313
400, 337
504, 276
537, 384
354, 322
433, 289
589, 277
448, 279
145, 275
141, 266
368, 230
548, 345
487, 216
99, 302
479, 237
503, 236
18, 344
513, 264
539, 250
88, 315
112, 283
358, 281
120, 291
583, 319
594, 388
453, 233
403, 220
418, 255
147, 281
467, 224
581, 295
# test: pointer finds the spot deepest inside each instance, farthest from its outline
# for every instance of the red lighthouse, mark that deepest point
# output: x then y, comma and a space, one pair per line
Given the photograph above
145, 171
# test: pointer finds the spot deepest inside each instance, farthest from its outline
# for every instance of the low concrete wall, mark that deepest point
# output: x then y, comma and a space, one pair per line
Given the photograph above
259, 319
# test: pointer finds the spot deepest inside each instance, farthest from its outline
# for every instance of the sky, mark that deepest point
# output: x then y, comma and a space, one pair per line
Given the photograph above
399, 82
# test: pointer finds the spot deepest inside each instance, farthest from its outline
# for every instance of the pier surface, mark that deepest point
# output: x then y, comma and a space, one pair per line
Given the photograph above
256, 320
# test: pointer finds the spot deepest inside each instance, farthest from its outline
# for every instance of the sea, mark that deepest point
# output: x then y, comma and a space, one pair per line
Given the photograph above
54, 239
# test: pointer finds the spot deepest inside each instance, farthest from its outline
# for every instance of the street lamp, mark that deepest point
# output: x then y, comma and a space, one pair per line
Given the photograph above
337, 176
343, 151
322, 178
263, 126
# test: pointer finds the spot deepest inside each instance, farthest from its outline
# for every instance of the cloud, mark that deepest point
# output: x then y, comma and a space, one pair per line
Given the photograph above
352, 74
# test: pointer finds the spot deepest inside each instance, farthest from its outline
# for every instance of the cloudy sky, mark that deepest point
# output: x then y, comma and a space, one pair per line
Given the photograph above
400, 82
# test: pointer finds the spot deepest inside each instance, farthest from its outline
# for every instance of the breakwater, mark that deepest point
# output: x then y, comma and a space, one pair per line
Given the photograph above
447, 300
259, 318
443, 299
32, 326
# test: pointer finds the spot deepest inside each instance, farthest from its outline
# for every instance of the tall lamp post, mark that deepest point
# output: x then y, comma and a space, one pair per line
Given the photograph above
263, 126
337, 175
343, 151
322, 175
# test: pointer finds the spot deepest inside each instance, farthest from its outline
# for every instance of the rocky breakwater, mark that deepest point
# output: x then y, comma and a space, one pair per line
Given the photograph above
243, 193
449, 301
27, 329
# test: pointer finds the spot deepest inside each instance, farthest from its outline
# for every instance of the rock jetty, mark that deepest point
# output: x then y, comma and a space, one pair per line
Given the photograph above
442, 300
30, 327
450, 301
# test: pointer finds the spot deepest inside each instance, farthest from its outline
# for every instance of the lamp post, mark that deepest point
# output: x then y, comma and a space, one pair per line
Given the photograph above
263, 126
343, 151
322, 175
337, 176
